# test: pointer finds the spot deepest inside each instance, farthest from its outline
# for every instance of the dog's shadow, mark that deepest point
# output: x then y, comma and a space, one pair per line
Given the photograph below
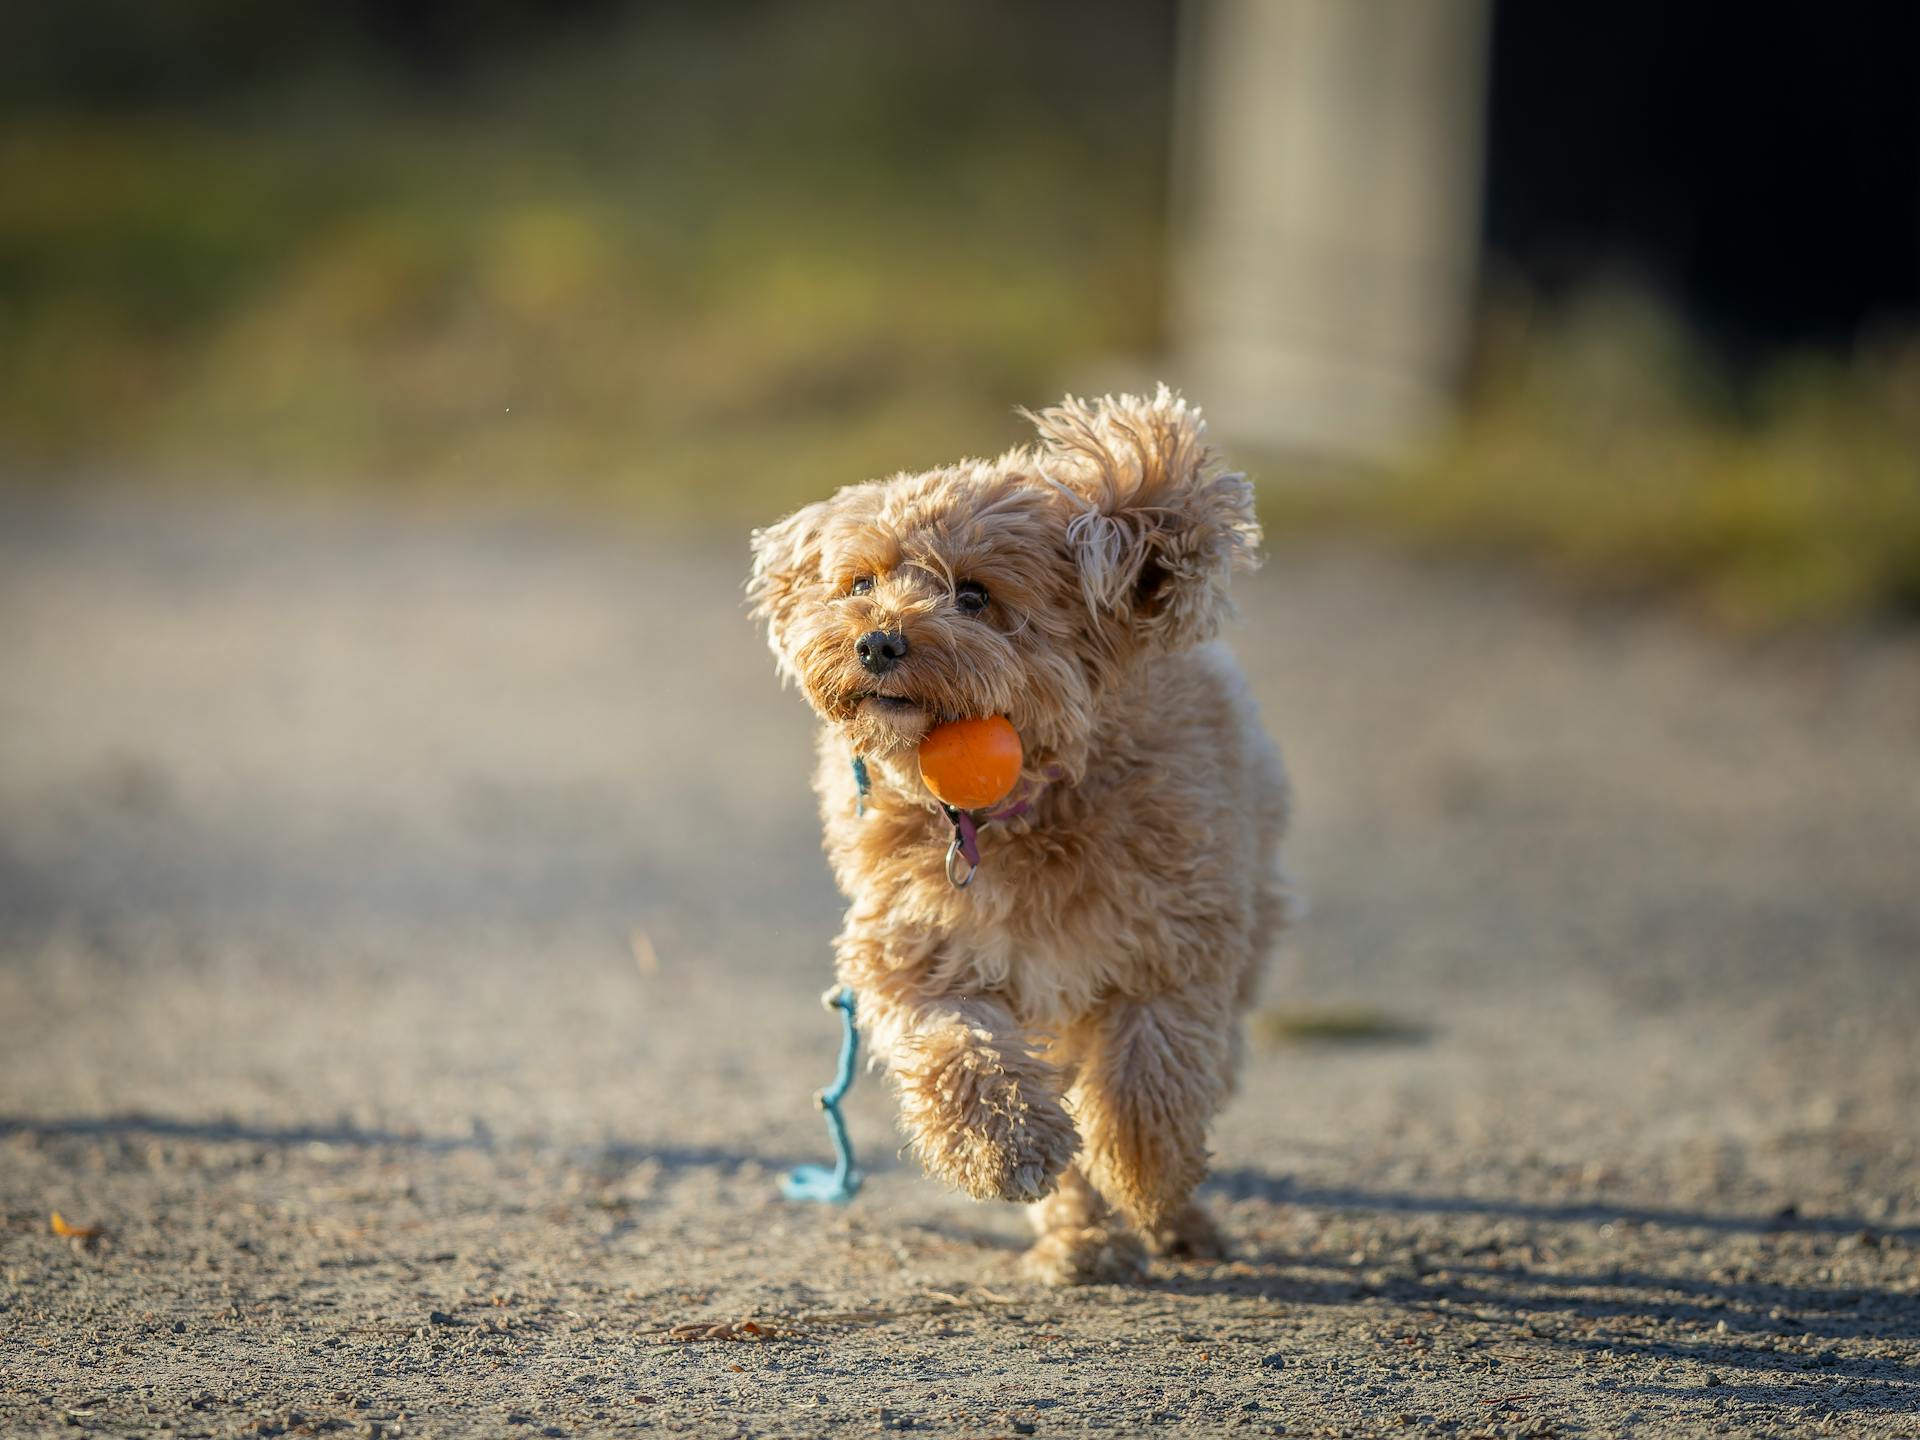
1245, 1183
605, 1156
1751, 1330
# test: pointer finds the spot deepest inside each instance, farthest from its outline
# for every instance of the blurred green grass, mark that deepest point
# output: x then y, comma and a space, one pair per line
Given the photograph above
1603, 444
702, 267
1339, 1025
718, 261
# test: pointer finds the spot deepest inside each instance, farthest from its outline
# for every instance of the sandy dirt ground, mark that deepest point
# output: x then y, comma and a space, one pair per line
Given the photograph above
410, 935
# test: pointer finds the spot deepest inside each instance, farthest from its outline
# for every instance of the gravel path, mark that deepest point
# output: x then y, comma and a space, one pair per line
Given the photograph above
410, 930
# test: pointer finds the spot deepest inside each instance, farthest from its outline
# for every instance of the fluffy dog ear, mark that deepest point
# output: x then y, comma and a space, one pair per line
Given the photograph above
1155, 527
786, 564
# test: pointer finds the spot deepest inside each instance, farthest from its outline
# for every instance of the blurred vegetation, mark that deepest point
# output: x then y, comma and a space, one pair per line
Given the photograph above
1602, 442
712, 261
1352, 1025
705, 262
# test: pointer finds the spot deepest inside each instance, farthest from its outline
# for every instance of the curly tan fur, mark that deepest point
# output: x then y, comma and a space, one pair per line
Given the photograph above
1083, 996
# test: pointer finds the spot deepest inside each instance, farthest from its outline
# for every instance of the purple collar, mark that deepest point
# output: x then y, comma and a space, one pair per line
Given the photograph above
966, 829
966, 823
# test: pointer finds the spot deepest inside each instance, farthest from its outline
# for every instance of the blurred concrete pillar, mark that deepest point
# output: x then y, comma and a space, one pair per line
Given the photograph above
1326, 216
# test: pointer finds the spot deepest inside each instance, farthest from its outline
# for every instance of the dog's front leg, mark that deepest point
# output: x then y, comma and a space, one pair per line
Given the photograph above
983, 1111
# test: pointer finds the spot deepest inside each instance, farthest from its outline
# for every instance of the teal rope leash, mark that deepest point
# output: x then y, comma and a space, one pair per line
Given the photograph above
815, 1182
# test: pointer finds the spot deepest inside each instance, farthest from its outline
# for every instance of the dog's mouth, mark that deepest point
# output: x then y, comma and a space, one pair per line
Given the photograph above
891, 716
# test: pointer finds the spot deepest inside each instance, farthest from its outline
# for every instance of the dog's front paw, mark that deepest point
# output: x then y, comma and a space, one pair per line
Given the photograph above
1023, 1149
985, 1121
995, 1161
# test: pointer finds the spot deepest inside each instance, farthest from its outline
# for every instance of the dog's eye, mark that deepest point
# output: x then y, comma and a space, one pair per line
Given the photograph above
970, 596
862, 586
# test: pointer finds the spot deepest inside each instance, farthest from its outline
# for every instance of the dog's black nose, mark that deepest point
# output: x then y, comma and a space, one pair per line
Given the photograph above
879, 652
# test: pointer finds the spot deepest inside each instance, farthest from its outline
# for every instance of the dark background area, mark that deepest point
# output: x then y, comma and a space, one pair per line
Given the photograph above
1760, 165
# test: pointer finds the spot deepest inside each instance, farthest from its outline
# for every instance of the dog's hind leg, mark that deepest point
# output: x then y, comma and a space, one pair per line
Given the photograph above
1082, 1242
1151, 1074
1188, 1234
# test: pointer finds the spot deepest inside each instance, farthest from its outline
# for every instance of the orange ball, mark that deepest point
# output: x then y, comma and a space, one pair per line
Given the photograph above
971, 763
